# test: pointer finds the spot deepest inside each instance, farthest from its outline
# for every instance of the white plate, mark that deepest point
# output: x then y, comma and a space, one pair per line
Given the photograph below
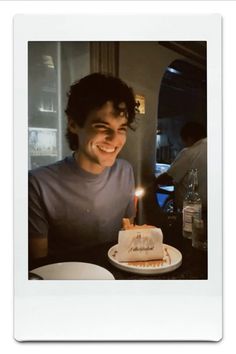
171, 261
73, 271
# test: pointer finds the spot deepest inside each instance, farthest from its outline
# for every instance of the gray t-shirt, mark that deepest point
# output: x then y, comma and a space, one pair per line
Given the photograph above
76, 209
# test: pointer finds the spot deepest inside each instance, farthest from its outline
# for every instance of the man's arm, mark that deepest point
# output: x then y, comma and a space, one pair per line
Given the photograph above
164, 179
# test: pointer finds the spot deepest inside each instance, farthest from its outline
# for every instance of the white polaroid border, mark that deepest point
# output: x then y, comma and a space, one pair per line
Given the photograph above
118, 310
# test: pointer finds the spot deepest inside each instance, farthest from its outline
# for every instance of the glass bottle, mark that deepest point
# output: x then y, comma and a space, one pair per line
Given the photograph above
192, 204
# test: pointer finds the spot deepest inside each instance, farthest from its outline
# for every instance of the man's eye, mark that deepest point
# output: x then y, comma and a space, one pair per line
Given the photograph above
100, 126
123, 130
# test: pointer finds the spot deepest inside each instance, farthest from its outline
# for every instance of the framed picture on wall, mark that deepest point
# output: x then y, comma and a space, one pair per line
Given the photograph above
42, 141
119, 129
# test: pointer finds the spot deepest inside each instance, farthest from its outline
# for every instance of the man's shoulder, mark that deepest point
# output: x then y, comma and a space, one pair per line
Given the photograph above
198, 144
123, 164
181, 162
181, 155
47, 170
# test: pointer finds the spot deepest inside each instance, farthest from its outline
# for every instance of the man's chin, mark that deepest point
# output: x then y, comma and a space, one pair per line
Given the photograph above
108, 162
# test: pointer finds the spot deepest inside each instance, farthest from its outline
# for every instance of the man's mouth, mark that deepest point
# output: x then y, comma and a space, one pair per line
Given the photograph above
106, 149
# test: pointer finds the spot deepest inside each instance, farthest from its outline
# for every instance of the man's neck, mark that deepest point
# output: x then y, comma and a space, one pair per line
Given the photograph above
88, 166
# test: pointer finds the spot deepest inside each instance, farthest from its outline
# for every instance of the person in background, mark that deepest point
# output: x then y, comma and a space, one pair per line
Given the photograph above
80, 201
194, 155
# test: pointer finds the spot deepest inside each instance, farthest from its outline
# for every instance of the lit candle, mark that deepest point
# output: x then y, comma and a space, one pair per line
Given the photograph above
139, 192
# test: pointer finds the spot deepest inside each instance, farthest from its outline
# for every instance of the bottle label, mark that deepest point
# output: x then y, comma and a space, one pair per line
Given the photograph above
188, 213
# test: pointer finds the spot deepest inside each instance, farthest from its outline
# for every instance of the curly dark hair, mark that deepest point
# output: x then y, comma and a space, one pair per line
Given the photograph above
92, 92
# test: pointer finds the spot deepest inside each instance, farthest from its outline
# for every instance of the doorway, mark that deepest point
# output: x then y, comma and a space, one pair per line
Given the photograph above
182, 98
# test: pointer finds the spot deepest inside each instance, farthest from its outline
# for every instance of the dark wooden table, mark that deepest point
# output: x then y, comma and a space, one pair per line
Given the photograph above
194, 262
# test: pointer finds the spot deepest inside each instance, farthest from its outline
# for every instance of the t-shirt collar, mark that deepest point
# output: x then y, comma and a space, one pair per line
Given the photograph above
83, 173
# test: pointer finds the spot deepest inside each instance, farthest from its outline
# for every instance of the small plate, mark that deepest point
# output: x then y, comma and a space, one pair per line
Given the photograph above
171, 261
73, 271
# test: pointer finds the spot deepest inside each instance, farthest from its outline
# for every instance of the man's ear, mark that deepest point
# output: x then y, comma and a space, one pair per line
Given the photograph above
72, 126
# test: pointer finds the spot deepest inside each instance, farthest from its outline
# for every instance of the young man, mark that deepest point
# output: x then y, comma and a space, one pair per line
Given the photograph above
194, 155
80, 201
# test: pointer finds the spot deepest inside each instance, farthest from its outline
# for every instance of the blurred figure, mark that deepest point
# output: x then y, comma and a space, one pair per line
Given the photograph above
194, 155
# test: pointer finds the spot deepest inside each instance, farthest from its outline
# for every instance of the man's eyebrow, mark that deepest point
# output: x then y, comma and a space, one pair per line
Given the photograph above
101, 121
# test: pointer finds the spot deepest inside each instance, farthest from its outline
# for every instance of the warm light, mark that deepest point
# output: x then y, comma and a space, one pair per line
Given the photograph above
139, 192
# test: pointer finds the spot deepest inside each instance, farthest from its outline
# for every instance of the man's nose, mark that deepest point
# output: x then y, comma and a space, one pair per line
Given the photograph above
111, 134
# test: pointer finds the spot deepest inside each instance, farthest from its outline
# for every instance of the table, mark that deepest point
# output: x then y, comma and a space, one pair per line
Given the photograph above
194, 262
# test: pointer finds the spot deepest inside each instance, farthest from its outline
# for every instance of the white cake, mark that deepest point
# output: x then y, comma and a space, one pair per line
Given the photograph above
139, 243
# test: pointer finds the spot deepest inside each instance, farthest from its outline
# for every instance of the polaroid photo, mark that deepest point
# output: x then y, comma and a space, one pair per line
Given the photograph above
117, 177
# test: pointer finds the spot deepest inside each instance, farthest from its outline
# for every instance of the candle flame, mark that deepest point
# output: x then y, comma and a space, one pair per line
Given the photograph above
139, 192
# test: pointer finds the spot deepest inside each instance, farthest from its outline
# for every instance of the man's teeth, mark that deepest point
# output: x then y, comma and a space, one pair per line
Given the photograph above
106, 149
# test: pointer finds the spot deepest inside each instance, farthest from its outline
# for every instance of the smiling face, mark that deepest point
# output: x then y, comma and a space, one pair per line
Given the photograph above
101, 138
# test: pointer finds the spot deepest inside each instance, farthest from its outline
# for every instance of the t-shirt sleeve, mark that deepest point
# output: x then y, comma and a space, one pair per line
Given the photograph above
179, 166
130, 210
38, 224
